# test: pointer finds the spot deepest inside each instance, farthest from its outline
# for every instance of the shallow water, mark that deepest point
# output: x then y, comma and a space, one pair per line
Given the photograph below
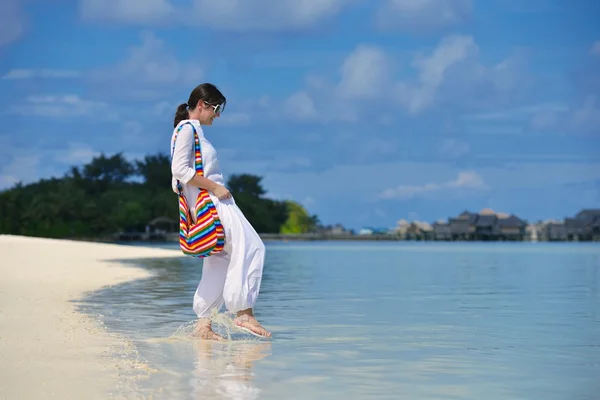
378, 321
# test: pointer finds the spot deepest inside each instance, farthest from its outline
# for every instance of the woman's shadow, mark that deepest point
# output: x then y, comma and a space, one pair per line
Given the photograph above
224, 370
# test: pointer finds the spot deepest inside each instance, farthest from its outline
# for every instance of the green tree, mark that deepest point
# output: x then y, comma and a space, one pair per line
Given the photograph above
266, 215
246, 184
299, 220
100, 198
108, 169
155, 170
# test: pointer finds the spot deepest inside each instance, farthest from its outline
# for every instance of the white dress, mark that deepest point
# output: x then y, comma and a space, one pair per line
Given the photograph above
233, 276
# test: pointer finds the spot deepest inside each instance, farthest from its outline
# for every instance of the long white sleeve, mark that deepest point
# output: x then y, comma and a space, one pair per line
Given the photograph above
183, 156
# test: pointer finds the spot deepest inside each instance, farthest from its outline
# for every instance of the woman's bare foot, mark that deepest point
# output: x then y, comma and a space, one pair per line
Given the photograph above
245, 319
204, 330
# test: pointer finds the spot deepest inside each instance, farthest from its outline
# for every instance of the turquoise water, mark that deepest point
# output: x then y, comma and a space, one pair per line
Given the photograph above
388, 320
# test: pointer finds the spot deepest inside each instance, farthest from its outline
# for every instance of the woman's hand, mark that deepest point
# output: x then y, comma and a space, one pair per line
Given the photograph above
222, 193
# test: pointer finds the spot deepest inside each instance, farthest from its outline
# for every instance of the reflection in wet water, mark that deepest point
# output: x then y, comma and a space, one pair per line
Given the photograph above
224, 370
379, 321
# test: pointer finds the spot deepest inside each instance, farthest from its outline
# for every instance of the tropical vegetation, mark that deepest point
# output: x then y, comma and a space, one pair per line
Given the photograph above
111, 194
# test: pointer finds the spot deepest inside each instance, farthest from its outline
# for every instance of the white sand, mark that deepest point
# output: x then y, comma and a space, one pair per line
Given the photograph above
47, 348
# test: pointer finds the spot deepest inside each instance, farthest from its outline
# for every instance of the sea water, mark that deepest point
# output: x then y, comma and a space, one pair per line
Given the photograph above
385, 320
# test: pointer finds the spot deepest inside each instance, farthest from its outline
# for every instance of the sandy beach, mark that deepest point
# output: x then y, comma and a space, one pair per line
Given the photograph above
47, 348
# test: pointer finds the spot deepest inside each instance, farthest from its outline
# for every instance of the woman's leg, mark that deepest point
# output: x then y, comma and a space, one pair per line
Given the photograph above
244, 274
209, 293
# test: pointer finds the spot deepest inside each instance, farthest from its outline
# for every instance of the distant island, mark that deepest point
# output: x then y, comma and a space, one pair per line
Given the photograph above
485, 225
112, 199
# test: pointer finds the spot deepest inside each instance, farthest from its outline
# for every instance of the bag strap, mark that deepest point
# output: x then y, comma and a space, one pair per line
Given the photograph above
198, 166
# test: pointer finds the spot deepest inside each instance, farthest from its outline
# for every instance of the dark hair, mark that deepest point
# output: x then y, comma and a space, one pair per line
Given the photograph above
204, 92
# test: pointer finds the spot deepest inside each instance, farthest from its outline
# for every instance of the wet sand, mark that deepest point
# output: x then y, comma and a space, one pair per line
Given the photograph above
47, 348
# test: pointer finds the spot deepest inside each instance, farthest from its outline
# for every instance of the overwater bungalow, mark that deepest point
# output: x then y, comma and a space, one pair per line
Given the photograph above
512, 227
442, 231
484, 225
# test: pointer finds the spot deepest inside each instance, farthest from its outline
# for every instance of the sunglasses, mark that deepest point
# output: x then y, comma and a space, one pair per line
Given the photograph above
218, 108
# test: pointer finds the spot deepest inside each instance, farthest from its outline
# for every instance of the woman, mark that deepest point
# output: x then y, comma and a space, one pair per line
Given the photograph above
233, 276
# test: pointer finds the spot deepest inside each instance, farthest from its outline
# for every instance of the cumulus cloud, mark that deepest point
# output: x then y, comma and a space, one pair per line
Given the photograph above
542, 116
75, 154
423, 15
595, 50
225, 15
18, 164
300, 106
22, 74
449, 75
235, 119
364, 73
21, 168
453, 148
12, 21
147, 71
128, 11
522, 112
578, 115
64, 106
265, 15
466, 180
432, 69
587, 116
453, 75
151, 62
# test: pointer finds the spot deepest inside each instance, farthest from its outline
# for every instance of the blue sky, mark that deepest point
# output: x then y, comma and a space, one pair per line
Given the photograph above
364, 111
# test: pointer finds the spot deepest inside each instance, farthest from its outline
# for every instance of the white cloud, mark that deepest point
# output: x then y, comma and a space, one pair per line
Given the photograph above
225, 15
12, 21
150, 63
423, 15
544, 119
453, 148
291, 162
19, 164
432, 69
264, 101
76, 153
128, 11
22, 168
163, 109
587, 117
18, 74
595, 48
264, 15
64, 106
537, 116
308, 201
364, 73
234, 119
453, 76
529, 111
466, 180
300, 106
450, 75
495, 129
544, 157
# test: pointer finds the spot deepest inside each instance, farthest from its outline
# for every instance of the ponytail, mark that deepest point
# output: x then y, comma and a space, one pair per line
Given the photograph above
181, 114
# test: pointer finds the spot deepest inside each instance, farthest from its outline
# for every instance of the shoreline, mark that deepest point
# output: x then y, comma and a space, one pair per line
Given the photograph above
320, 237
48, 348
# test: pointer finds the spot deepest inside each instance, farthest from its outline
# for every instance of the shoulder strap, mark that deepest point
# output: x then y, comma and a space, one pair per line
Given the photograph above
197, 151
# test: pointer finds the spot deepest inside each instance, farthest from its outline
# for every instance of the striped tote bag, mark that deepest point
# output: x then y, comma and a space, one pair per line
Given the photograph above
206, 236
